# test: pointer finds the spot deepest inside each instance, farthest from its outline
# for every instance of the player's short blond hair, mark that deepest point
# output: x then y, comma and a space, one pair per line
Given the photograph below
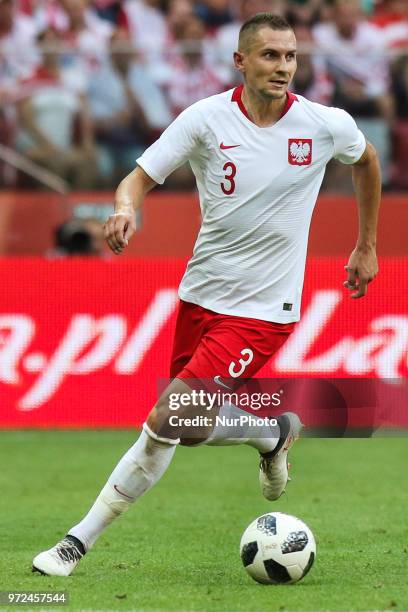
255, 23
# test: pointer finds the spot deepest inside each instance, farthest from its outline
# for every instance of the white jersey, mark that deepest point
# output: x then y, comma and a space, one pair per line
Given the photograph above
257, 188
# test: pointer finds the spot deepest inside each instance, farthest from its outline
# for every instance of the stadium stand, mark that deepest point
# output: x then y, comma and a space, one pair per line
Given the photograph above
160, 56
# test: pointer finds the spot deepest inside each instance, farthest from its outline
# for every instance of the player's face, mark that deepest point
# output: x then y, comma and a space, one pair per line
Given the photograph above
269, 64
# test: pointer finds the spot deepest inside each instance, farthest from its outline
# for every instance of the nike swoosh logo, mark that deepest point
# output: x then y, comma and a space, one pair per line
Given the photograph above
218, 381
223, 146
121, 493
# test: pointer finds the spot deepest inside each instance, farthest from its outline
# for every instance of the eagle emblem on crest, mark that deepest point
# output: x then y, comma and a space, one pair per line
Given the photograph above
300, 151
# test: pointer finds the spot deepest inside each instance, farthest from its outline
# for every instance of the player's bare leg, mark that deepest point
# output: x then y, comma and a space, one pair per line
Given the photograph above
272, 442
147, 460
138, 470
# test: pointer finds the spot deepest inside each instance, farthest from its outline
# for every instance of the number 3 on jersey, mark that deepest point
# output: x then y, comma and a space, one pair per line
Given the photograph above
230, 170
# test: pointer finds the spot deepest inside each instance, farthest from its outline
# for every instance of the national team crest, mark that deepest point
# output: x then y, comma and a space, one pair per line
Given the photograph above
300, 151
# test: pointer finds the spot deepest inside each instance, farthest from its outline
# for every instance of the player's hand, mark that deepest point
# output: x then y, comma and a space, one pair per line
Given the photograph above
361, 269
118, 229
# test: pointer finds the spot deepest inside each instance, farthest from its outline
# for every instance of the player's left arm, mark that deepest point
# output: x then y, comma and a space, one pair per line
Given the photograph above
362, 266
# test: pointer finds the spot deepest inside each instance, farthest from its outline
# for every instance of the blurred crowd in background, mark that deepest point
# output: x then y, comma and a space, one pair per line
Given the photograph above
86, 86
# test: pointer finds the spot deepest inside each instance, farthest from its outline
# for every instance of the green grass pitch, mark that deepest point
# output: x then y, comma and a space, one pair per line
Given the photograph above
177, 548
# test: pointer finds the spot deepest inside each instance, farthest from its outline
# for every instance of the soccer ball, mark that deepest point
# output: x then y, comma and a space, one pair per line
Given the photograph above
277, 548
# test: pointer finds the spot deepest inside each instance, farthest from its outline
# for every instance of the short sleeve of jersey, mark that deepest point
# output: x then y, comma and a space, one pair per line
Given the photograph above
349, 141
174, 147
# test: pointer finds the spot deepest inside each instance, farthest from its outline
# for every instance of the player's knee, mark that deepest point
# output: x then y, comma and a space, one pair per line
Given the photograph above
155, 417
160, 425
163, 415
180, 424
167, 406
174, 417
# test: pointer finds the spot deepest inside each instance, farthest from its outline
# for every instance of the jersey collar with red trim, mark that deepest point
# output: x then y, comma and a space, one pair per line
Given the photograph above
237, 97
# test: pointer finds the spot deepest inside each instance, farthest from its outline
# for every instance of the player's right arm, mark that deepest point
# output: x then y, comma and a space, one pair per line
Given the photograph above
171, 150
130, 194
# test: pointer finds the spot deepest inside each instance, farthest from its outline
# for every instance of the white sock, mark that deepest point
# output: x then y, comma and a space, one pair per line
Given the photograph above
138, 470
262, 437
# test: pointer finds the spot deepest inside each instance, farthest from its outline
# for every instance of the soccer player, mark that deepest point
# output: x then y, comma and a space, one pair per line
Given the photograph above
259, 154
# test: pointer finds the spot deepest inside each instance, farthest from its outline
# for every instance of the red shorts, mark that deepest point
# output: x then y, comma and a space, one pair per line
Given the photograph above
208, 344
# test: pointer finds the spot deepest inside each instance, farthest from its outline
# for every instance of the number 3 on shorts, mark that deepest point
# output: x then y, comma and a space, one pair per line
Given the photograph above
243, 363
